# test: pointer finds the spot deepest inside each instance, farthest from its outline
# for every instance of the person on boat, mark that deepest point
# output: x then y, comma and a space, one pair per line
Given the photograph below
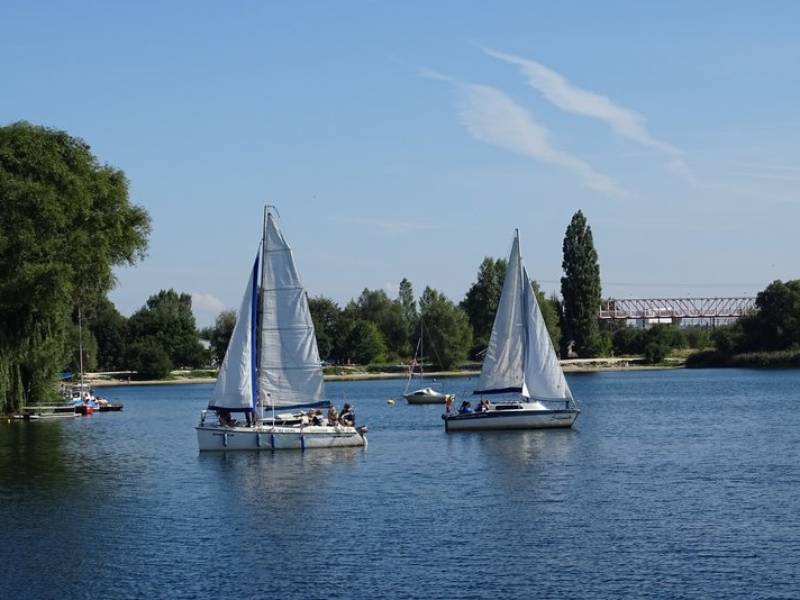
225, 418
333, 416
484, 406
448, 405
314, 417
466, 408
347, 417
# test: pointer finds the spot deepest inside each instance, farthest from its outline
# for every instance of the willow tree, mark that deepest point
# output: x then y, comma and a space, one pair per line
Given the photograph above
580, 289
65, 223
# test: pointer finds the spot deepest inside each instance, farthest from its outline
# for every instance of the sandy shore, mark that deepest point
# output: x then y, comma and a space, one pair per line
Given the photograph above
575, 365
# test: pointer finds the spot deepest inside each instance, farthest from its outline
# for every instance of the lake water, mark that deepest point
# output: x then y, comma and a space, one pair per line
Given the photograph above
673, 484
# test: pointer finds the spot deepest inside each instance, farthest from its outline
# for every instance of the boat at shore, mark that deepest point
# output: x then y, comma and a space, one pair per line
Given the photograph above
520, 362
272, 364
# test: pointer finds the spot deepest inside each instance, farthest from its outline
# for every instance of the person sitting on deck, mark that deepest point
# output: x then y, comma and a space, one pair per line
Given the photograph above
225, 418
466, 408
333, 416
347, 417
314, 417
484, 406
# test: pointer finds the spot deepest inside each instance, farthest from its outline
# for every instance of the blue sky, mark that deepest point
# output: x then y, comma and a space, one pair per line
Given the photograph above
408, 139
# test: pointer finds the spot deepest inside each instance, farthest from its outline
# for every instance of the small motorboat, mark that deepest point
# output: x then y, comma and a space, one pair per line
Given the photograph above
428, 396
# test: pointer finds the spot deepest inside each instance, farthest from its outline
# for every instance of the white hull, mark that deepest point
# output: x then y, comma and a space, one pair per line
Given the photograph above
435, 398
512, 418
277, 438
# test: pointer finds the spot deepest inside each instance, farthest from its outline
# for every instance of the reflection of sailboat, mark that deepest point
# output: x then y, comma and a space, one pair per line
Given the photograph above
423, 395
521, 360
272, 361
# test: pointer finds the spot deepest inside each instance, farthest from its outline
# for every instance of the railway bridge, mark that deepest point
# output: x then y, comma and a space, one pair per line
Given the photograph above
668, 310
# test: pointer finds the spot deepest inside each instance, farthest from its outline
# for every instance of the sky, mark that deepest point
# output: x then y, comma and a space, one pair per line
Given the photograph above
409, 139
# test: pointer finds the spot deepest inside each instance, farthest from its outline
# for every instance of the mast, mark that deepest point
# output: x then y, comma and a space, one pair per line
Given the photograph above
80, 346
260, 309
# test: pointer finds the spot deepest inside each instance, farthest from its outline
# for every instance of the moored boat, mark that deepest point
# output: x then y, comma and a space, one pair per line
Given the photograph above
521, 362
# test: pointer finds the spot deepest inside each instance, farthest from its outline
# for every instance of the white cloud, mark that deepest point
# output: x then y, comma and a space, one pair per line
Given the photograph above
569, 98
207, 302
394, 227
492, 117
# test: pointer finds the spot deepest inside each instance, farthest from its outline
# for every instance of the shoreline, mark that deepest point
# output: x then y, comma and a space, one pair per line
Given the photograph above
588, 365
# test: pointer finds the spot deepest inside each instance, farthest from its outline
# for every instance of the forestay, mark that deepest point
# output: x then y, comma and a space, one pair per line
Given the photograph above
235, 384
289, 373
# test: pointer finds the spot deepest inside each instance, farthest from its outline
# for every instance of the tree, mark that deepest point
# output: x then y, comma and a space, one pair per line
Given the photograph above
480, 303
107, 326
326, 315
167, 318
408, 313
580, 289
148, 358
447, 330
776, 323
67, 222
366, 343
375, 306
219, 334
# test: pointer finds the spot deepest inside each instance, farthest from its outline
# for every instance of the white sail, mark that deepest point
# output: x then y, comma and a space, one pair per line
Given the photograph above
543, 377
289, 373
236, 379
503, 365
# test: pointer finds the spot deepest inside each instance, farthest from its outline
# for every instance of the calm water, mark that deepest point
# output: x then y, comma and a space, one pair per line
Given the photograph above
674, 484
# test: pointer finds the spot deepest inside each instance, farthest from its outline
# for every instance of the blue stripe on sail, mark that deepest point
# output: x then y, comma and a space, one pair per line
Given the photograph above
254, 333
507, 390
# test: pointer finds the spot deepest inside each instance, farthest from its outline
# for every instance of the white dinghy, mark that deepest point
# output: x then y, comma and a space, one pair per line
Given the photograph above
520, 360
426, 395
272, 362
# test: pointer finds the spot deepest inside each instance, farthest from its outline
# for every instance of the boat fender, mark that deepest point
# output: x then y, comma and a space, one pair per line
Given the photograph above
390, 402
225, 439
302, 442
272, 440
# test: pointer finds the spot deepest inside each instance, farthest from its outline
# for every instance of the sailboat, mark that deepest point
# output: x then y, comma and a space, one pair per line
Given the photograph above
520, 360
426, 395
272, 363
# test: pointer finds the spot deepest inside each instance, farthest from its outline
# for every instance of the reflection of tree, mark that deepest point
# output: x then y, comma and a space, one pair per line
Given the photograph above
32, 454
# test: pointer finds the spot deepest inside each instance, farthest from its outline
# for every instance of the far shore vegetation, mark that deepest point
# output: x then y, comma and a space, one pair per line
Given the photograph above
68, 221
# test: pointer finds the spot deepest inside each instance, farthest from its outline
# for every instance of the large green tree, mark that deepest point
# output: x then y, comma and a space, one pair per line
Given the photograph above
66, 223
448, 335
167, 319
108, 327
219, 334
327, 317
580, 289
480, 303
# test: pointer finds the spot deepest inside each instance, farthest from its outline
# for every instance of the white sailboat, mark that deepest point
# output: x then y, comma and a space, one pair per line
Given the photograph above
426, 395
520, 360
272, 362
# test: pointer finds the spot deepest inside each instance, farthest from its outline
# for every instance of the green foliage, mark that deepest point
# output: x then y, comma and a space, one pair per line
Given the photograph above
698, 337
74, 341
580, 289
108, 326
728, 339
148, 358
409, 317
480, 303
168, 320
66, 224
634, 341
219, 334
776, 324
447, 329
655, 352
365, 342
327, 317
551, 313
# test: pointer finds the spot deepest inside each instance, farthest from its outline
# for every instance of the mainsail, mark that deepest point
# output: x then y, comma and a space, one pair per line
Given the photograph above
236, 381
289, 371
520, 357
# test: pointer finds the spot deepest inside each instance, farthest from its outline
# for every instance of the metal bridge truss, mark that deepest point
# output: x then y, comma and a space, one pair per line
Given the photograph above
677, 308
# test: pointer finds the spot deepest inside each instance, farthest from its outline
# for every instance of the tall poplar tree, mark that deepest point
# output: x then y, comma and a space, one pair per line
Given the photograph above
580, 289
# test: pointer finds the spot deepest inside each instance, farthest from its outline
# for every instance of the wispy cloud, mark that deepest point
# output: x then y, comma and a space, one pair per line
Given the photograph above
207, 302
572, 99
392, 226
492, 117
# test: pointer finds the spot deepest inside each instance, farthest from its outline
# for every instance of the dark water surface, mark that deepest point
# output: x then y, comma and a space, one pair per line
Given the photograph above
673, 484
